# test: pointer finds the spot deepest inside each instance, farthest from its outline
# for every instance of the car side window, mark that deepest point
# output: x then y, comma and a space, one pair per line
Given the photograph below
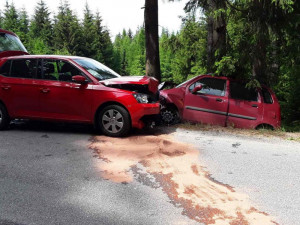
267, 96
5, 69
23, 68
50, 69
239, 91
59, 70
210, 86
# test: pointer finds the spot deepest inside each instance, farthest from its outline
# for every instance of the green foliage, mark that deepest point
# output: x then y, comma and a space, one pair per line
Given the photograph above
225, 66
10, 19
39, 47
41, 26
253, 83
184, 54
67, 30
129, 52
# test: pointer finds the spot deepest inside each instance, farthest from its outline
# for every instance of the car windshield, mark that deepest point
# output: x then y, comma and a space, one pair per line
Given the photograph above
98, 70
180, 85
9, 42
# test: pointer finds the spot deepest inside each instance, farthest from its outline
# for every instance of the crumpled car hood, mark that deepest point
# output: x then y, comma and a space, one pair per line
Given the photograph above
133, 83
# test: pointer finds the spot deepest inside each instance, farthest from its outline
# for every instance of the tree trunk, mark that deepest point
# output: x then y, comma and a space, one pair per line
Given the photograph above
259, 65
151, 33
216, 33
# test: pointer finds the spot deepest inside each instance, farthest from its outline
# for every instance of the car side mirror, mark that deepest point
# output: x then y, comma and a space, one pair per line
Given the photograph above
79, 79
197, 88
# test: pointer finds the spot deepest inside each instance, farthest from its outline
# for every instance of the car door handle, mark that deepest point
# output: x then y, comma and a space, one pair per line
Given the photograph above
45, 90
4, 87
255, 106
219, 100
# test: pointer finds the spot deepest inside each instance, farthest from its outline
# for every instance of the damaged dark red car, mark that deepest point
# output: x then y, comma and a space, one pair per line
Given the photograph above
71, 89
221, 101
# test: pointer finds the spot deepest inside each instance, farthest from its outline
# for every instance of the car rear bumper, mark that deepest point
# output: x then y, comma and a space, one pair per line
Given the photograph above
139, 112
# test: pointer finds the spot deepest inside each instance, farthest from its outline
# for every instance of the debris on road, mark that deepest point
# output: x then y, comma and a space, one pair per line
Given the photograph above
175, 167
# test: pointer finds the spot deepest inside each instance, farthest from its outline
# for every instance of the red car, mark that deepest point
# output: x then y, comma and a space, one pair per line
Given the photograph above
71, 89
221, 101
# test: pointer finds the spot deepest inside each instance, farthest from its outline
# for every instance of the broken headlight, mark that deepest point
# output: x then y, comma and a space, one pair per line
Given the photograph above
141, 98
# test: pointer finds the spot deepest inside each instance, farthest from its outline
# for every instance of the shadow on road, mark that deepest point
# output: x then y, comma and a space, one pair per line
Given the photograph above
78, 128
55, 127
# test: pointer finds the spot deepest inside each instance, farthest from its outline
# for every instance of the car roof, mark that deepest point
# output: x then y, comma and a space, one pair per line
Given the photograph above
45, 57
208, 76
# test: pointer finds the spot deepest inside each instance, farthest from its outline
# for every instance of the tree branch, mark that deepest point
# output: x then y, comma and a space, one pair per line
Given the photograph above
232, 6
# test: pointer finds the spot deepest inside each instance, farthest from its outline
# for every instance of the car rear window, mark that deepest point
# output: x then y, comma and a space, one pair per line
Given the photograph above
9, 42
239, 91
210, 86
267, 96
4, 70
23, 68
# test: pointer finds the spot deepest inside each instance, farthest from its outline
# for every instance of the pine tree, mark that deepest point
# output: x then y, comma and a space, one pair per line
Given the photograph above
98, 39
24, 27
117, 54
67, 30
166, 56
130, 35
107, 49
41, 24
11, 18
89, 37
136, 53
1, 18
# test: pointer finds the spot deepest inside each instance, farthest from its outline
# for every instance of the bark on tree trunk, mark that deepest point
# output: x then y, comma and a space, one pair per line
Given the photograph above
216, 33
151, 33
259, 65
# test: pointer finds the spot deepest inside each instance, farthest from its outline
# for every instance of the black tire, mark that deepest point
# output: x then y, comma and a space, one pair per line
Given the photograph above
114, 121
169, 115
264, 127
4, 118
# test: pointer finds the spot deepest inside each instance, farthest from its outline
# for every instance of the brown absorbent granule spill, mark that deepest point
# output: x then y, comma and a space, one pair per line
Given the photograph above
176, 168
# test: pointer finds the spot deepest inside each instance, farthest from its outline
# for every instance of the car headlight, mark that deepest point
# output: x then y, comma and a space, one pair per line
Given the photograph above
141, 98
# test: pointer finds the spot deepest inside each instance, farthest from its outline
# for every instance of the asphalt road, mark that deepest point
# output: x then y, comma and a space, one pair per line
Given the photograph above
267, 169
48, 175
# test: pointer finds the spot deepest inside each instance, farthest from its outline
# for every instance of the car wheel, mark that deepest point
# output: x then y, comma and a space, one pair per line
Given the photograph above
264, 127
169, 115
114, 121
4, 118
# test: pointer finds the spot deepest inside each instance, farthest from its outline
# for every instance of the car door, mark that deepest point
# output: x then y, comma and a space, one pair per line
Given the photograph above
209, 105
20, 87
60, 97
271, 108
245, 106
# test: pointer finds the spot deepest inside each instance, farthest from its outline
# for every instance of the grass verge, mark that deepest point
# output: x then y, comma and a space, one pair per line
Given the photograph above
280, 133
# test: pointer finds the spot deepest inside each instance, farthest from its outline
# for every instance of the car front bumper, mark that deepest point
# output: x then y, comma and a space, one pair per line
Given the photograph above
142, 113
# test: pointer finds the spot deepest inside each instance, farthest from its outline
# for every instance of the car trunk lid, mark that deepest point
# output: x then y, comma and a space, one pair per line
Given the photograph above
12, 53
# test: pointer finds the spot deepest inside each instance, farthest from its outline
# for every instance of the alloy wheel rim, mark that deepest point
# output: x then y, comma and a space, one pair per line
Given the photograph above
112, 121
168, 116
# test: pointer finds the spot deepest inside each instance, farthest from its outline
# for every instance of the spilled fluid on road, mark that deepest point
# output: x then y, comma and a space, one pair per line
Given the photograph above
176, 168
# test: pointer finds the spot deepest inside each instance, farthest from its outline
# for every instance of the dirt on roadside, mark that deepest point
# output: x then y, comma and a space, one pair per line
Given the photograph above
176, 169
261, 133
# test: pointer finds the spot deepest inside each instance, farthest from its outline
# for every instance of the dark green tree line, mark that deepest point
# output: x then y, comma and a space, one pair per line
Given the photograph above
62, 33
